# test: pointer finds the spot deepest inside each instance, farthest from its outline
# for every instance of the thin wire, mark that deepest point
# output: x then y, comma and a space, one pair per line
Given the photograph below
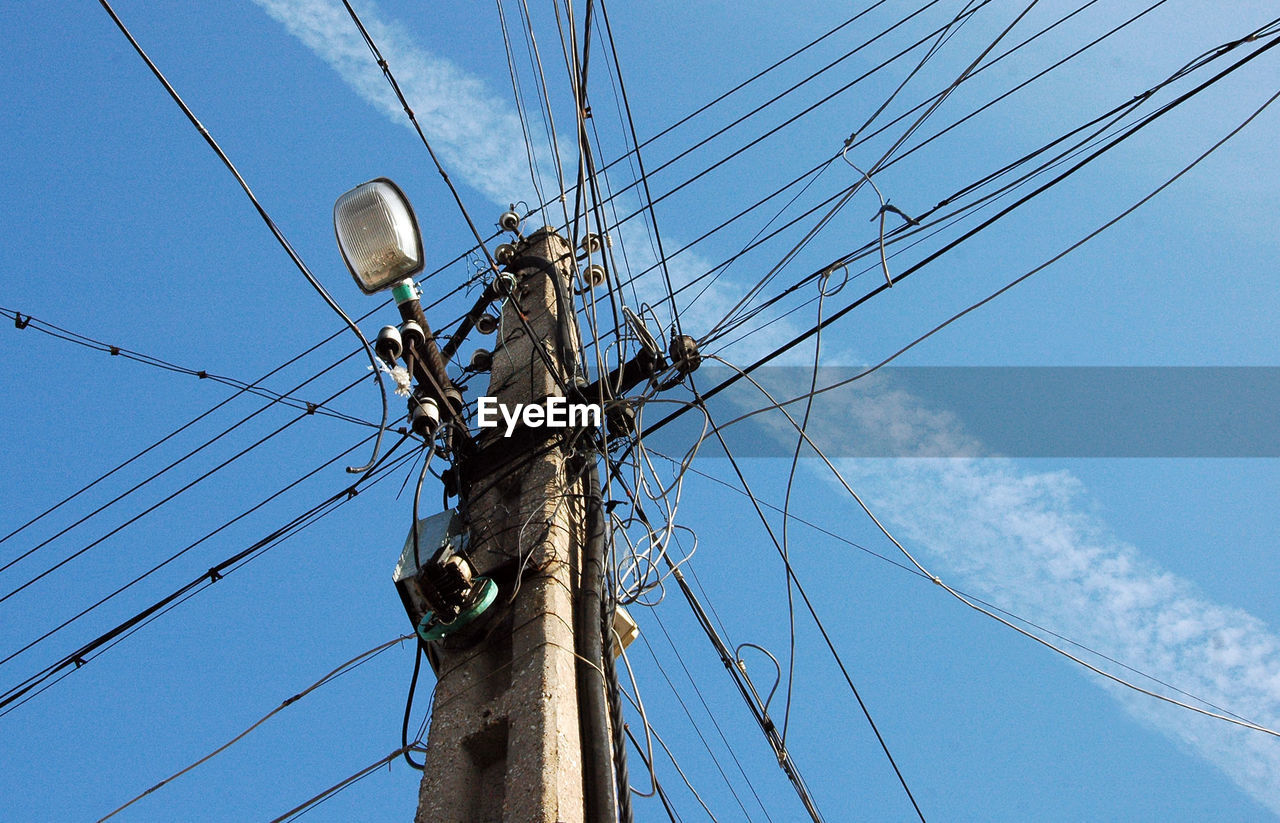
160, 473
46, 328
339, 786
219, 405
973, 605
778, 351
78, 552
875, 167
866, 712
353, 663
266, 218
1037, 269
395, 86
10, 698
917, 573
786, 509
652, 734
863, 138
644, 178
535, 173
707, 709
785, 762
184, 550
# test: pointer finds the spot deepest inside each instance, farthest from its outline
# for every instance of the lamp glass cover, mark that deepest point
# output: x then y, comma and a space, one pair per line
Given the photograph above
378, 235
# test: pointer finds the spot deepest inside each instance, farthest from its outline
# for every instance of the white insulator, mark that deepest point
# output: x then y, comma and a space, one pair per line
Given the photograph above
590, 243
425, 416
412, 333
504, 254
486, 324
481, 360
509, 221
594, 275
388, 345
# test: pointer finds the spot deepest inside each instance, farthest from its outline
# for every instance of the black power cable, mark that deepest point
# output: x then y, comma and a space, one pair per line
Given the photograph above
266, 218
16, 695
171, 558
78, 552
836, 316
593, 708
408, 705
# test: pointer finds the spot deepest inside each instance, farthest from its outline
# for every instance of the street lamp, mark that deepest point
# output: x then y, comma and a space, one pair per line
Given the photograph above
378, 236
382, 247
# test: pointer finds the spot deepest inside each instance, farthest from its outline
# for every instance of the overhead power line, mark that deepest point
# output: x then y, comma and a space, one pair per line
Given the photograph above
171, 558
266, 218
28, 688
166, 499
857, 302
26, 321
353, 663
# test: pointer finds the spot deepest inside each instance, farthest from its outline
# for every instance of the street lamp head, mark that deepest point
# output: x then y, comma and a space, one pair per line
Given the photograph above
378, 235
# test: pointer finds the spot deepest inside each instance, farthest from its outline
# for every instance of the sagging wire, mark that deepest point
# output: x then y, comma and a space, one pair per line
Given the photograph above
49, 676
1236, 720
835, 654
666, 634
885, 207
271, 225
651, 735
785, 761
823, 294
742, 666
419, 653
644, 556
353, 663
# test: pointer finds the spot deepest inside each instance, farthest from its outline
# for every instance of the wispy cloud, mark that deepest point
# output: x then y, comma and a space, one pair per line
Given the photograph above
471, 129
1024, 540
1017, 537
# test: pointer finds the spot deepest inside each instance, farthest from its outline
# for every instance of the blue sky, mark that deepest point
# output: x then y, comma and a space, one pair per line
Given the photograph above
121, 225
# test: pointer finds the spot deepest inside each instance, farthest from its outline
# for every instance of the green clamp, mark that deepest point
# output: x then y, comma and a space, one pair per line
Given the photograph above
405, 291
429, 631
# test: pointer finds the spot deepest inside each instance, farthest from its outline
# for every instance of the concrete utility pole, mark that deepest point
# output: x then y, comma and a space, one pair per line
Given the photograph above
504, 743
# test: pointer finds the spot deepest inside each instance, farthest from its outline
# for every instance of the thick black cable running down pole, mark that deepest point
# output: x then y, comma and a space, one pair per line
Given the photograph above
622, 778
593, 708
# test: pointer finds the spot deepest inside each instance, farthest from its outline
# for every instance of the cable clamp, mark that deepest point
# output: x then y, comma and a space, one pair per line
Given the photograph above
352, 492
78, 661
311, 408
889, 207
214, 577
20, 322
114, 350
202, 374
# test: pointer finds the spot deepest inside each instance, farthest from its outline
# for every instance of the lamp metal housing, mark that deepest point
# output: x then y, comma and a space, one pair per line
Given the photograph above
378, 235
